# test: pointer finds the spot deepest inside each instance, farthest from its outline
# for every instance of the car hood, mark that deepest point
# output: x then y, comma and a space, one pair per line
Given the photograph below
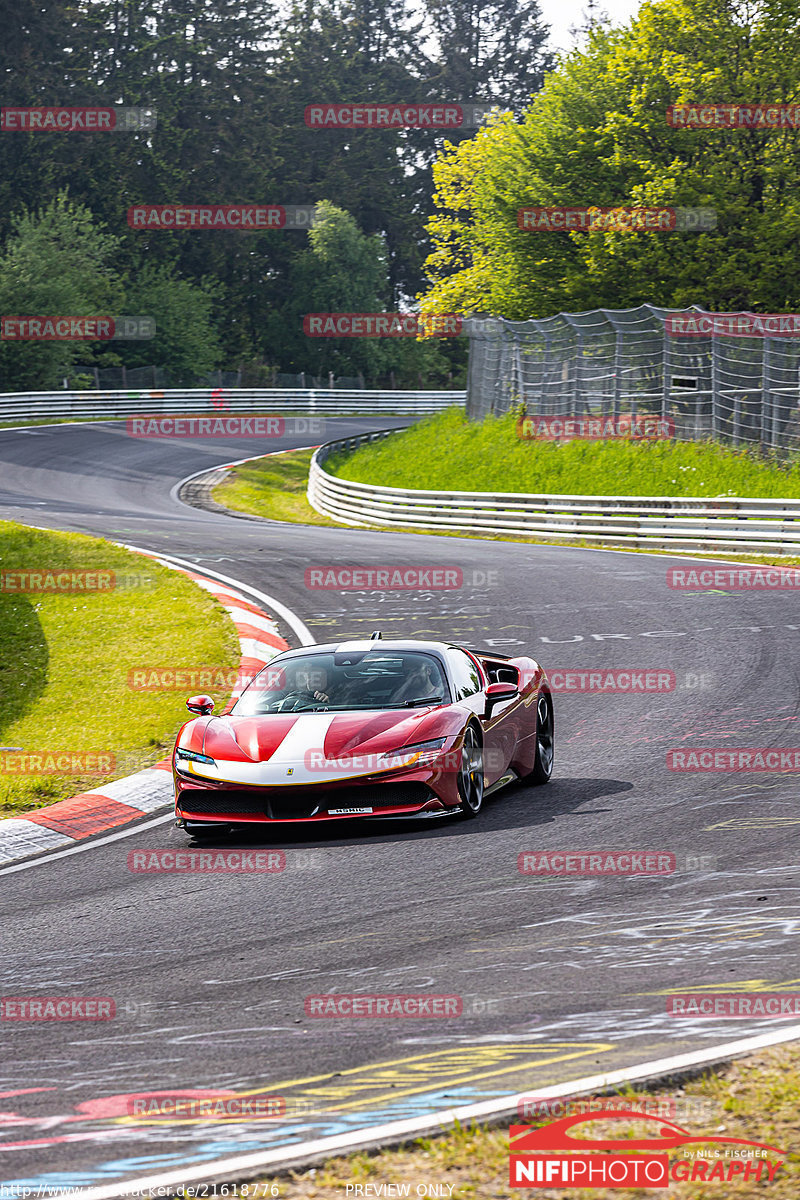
308, 748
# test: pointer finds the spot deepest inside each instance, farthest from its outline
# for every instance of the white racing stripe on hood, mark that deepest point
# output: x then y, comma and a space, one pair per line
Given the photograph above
305, 738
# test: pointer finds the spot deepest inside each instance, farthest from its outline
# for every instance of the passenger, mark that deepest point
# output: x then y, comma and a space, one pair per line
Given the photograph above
424, 681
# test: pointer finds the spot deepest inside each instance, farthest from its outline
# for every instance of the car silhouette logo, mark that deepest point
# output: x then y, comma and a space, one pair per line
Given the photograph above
557, 1135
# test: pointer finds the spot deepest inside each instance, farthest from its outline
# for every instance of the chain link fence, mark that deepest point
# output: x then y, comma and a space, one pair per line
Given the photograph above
739, 387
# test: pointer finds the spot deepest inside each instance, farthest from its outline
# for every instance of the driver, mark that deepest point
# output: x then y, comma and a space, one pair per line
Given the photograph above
302, 692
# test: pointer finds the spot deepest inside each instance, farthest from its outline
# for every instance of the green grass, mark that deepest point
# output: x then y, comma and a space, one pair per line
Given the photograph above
273, 487
65, 660
447, 452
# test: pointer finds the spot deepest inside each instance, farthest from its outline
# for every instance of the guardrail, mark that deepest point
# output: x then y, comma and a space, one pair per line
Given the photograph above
22, 406
656, 522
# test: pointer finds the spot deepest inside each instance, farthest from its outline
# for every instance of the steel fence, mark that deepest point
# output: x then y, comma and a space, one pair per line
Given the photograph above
110, 406
720, 525
740, 388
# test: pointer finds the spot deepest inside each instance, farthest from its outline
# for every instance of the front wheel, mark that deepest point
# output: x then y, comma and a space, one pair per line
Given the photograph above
545, 741
470, 775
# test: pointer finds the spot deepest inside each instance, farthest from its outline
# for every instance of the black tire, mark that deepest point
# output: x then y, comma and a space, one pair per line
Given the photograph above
470, 775
545, 742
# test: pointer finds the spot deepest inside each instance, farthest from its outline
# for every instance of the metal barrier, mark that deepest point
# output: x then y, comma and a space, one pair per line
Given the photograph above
657, 522
110, 406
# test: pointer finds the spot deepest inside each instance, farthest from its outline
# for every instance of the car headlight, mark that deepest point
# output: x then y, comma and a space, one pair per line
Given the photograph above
423, 751
192, 756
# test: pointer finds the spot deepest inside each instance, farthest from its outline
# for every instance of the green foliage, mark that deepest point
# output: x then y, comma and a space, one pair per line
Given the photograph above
448, 452
186, 339
273, 487
56, 262
597, 134
59, 261
229, 83
345, 271
66, 658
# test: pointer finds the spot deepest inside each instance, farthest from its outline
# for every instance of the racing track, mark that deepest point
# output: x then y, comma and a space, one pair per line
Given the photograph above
560, 978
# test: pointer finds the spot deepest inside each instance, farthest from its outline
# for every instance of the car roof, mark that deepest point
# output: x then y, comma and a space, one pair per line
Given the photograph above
367, 644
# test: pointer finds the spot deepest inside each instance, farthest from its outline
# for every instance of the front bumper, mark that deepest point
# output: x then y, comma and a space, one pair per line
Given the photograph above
423, 792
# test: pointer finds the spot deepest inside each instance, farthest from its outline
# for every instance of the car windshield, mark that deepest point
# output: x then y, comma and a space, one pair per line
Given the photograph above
338, 682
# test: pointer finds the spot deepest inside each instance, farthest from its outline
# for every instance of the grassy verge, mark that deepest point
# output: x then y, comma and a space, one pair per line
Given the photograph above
448, 452
66, 663
755, 1098
275, 488
272, 487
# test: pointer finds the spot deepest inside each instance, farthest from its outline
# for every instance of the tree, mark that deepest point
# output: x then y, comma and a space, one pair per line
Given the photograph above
490, 51
597, 134
58, 262
186, 343
345, 271
342, 270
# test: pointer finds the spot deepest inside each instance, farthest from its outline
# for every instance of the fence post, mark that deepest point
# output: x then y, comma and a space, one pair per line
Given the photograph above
715, 405
773, 402
666, 375
544, 406
737, 420
576, 390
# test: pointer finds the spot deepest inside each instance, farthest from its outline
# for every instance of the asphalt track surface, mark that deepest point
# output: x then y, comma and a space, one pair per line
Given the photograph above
560, 977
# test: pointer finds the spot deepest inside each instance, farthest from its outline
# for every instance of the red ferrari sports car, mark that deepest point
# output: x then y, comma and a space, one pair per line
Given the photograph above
365, 729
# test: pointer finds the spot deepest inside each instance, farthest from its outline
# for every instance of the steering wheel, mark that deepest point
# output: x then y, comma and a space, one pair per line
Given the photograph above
292, 701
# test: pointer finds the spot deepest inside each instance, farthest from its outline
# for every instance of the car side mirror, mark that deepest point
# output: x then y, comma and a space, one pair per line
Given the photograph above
497, 692
200, 705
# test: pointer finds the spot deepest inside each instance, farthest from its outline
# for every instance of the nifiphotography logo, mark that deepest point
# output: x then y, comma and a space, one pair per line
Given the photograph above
558, 1154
